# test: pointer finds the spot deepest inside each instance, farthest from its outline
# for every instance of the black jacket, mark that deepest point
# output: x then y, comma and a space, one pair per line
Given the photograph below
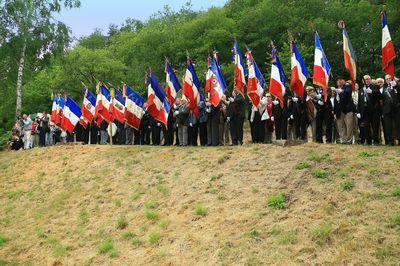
346, 103
390, 99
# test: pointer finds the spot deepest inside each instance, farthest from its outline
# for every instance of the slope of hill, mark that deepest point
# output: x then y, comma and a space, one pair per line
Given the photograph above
248, 205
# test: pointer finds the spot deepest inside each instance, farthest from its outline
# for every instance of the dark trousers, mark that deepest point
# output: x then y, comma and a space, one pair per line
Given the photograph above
203, 133
236, 128
376, 123
168, 135
193, 135
281, 128
388, 126
129, 135
365, 125
145, 136
324, 118
213, 130
136, 136
155, 135
42, 138
176, 137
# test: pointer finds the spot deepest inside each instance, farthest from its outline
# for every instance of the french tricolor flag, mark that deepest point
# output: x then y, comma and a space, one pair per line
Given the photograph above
133, 107
255, 80
172, 85
217, 83
322, 69
157, 101
191, 87
103, 104
388, 52
72, 114
350, 58
299, 73
53, 116
238, 68
118, 106
88, 105
278, 79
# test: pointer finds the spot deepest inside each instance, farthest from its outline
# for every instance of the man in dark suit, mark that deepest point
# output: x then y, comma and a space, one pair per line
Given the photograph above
377, 102
236, 116
365, 110
346, 121
389, 108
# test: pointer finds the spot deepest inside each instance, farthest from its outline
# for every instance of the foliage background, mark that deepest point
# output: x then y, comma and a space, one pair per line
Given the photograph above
125, 52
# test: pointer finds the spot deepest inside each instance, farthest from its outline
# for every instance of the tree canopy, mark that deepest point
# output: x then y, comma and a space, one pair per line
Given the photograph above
125, 52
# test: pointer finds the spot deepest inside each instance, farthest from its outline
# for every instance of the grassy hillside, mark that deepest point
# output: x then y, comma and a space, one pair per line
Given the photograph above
193, 206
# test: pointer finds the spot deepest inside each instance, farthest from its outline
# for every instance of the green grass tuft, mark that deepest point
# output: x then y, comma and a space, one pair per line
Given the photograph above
322, 234
154, 238
347, 185
320, 173
152, 215
105, 247
277, 201
302, 165
201, 211
3, 239
396, 192
121, 222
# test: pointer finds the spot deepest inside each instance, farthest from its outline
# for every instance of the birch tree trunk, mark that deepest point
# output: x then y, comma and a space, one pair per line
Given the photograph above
19, 79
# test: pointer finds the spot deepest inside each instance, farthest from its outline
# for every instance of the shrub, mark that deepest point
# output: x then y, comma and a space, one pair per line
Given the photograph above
277, 201
347, 184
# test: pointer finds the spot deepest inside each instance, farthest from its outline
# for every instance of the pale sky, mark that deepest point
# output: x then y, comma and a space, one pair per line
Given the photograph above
101, 13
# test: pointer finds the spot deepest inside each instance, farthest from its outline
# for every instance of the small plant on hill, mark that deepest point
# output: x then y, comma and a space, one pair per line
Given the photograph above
137, 242
154, 238
396, 192
117, 202
347, 185
128, 235
84, 217
364, 154
395, 220
106, 247
277, 201
254, 234
3, 239
121, 222
201, 211
320, 173
316, 157
322, 234
302, 165
151, 215
60, 250
151, 205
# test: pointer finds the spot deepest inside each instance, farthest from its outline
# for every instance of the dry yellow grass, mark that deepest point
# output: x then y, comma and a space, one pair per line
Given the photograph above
116, 205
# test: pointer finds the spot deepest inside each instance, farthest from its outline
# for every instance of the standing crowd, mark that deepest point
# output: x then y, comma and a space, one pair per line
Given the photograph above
348, 114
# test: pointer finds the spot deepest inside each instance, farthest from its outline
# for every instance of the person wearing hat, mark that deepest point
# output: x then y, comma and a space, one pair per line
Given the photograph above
345, 122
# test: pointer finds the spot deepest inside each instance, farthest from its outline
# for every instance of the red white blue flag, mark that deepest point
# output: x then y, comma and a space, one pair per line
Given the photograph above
350, 58
172, 85
255, 80
72, 114
278, 79
118, 106
133, 107
388, 52
57, 110
238, 69
104, 104
217, 84
322, 69
88, 107
299, 73
191, 87
157, 101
